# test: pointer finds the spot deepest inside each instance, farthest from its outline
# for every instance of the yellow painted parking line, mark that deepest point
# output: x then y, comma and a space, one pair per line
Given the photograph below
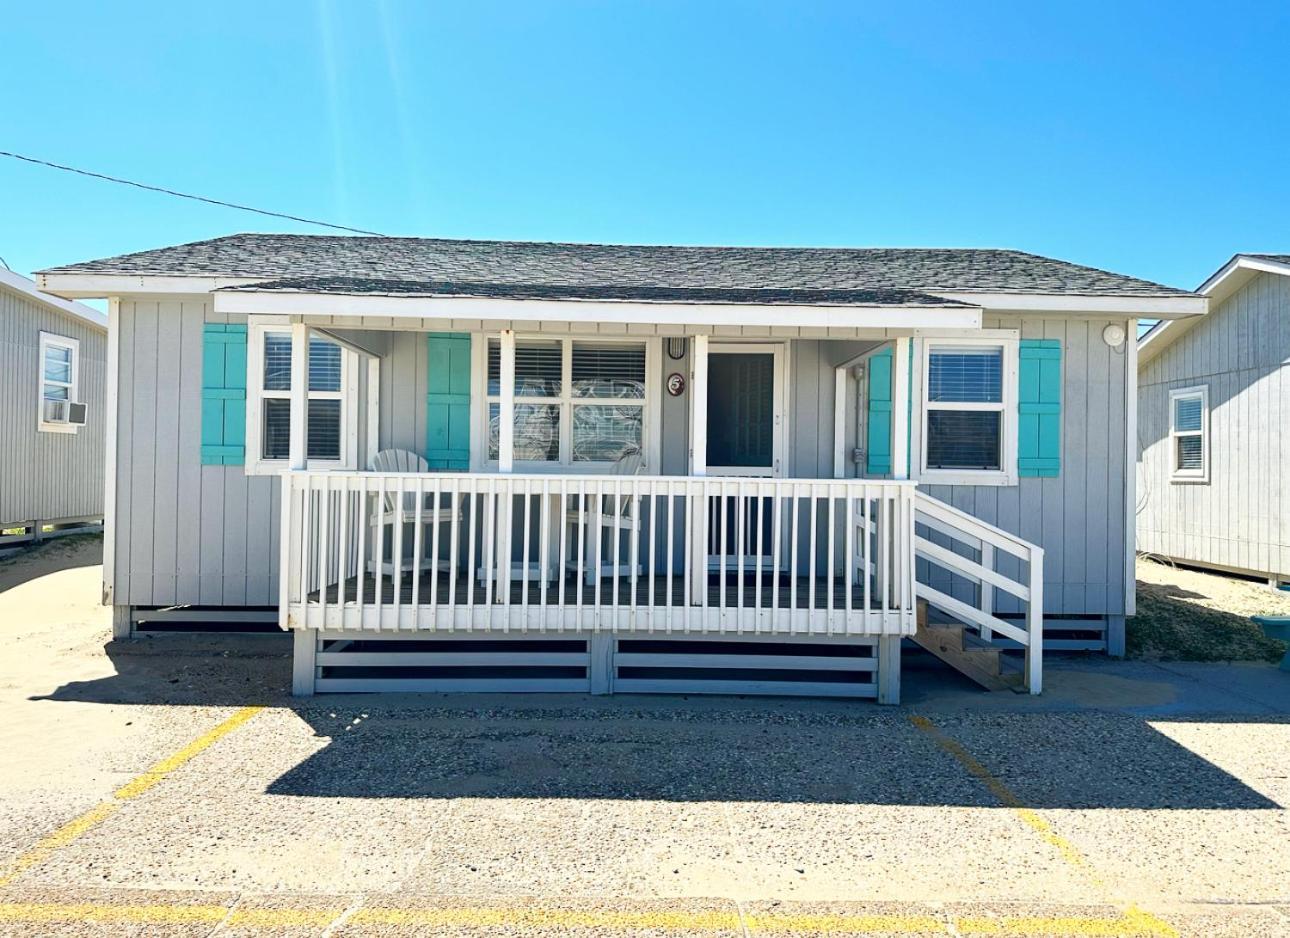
1036, 822
559, 920
131, 789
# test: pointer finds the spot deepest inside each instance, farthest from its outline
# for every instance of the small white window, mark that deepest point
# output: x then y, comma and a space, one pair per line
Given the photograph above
969, 399
1189, 433
578, 403
60, 363
332, 435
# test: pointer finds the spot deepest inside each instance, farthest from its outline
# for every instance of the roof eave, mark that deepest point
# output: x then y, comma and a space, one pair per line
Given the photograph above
281, 303
51, 300
1166, 306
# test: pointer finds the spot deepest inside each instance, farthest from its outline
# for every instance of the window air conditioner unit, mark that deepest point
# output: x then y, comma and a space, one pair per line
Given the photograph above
76, 415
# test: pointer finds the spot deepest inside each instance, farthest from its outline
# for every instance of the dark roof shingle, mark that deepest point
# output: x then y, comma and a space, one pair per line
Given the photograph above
518, 268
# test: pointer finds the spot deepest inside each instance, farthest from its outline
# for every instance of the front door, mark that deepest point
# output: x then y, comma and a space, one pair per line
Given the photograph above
745, 438
745, 410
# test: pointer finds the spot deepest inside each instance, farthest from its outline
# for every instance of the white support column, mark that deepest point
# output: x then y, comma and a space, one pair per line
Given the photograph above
373, 411
305, 641
298, 455
600, 669
888, 674
840, 423
699, 406
304, 659
900, 410
506, 411
122, 622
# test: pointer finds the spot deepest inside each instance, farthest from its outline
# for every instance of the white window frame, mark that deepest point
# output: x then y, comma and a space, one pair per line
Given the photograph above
1007, 473
649, 404
48, 339
256, 394
1184, 476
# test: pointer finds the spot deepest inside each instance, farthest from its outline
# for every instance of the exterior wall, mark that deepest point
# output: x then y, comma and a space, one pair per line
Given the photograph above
183, 533
47, 476
209, 534
1237, 519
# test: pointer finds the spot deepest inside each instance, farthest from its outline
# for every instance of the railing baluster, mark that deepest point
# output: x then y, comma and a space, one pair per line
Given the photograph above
344, 548
866, 523
633, 534
544, 545
723, 520
454, 546
526, 505
419, 492
436, 516
830, 579
848, 560
814, 549
794, 537
563, 557
776, 545
884, 539
363, 521
489, 521
396, 550
324, 534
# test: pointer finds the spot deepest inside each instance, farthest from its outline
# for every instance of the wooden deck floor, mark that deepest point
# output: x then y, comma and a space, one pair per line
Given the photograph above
747, 593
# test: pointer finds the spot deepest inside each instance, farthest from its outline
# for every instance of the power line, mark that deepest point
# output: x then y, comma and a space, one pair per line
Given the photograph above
186, 195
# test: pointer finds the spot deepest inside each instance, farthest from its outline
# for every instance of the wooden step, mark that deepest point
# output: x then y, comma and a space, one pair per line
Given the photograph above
965, 652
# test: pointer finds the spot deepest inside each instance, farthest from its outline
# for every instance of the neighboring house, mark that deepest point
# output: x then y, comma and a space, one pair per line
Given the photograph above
646, 468
52, 362
1213, 397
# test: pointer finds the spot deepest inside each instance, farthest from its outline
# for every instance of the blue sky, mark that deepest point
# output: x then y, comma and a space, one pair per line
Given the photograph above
1144, 138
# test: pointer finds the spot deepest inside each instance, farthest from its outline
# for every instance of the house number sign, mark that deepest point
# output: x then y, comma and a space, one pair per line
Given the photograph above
676, 384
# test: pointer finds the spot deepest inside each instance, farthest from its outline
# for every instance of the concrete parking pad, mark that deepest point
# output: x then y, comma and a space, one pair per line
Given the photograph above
1132, 799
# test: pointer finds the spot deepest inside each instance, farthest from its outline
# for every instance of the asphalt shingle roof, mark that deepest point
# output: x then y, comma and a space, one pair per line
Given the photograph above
886, 276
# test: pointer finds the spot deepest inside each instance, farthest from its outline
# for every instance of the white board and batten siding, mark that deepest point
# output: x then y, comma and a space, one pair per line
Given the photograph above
1237, 519
47, 476
208, 535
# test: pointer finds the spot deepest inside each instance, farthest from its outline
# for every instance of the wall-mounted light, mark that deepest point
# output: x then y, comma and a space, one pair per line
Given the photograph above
676, 348
1114, 335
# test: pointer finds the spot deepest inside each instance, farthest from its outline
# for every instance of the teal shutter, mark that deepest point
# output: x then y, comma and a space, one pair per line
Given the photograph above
1039, 408
448, 401
223, 394
878, 424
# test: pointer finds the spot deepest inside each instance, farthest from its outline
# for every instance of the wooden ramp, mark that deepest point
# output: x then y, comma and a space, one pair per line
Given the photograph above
966, 653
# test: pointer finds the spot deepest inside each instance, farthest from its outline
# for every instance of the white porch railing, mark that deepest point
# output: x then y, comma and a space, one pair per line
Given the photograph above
577, 553
996, 561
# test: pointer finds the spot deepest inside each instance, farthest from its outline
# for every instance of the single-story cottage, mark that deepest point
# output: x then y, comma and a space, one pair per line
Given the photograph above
457, 465
1213, 393
53, 356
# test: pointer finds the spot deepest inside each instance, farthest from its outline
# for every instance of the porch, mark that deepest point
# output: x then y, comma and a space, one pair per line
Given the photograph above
532, 532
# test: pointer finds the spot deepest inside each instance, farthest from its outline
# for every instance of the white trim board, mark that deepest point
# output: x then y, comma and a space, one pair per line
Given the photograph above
583, 311
1225, 281
103, 285
1146, 307
31, 290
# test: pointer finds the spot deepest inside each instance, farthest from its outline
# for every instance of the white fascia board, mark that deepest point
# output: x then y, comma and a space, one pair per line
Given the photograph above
31, 289
1144, 307
706, 314
104, 285
1225, 281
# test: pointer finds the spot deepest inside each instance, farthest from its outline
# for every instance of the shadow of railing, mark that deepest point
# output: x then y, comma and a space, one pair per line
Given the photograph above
675, 748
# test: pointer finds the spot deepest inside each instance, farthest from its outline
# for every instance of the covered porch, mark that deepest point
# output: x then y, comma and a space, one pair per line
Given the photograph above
755, 509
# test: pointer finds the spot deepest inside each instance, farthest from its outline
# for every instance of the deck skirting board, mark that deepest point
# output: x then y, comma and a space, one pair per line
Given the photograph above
641, 663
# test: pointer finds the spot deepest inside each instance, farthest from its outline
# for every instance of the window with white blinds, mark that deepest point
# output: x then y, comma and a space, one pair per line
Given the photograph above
1189, 427
59, 365
964, 402
270, 393
578, 401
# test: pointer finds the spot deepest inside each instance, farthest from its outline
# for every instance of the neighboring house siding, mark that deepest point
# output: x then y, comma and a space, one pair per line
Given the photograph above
47, 476
1237, 519
208, 535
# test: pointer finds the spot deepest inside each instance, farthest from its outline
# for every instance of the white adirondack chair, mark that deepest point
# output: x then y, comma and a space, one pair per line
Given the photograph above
400, 460
606, 514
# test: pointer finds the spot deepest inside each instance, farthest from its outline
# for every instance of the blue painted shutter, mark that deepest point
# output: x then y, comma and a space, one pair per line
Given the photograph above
1039, 408
878, 422
448, 401
223, 394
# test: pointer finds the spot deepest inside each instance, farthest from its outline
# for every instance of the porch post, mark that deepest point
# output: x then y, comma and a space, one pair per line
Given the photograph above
699, 406
900, 410
506, 412
298, 455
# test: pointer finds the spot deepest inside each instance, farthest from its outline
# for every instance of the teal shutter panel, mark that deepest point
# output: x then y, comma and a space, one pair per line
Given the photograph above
223, 394
448, 401
878, 424
1039, 408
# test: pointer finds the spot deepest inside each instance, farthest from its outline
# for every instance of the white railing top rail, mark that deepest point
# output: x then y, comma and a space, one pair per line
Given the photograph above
958, 520
543, 477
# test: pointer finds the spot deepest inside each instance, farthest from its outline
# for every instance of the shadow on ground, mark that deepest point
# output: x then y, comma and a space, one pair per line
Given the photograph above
673, 748
52, 556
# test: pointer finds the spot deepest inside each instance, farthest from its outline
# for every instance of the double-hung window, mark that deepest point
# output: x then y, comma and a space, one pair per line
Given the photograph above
1188, 432
59, 373
969, 399
578, 403
330, 439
